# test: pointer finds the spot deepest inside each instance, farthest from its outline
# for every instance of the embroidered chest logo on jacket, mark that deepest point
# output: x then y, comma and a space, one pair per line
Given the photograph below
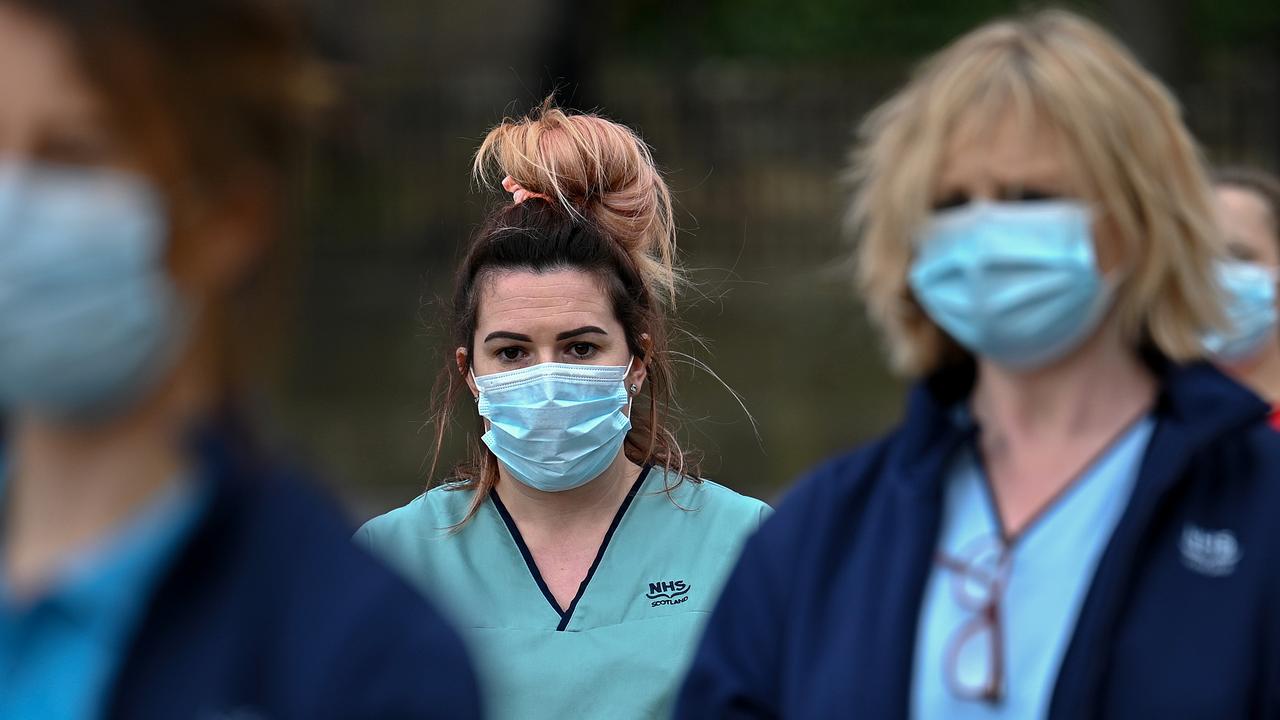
671, 592
1209, 552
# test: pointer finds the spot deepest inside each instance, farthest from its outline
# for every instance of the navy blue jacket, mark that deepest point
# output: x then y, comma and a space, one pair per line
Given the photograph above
819, 618
269, 611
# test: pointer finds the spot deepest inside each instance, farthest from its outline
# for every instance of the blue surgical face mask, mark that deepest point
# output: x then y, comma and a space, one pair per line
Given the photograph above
88, 317
1016, 283
1251, 311
555, 426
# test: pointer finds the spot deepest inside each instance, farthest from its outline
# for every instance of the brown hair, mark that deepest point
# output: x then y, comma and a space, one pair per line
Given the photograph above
1261, 183
1125, 133
597, 170
208, 94
610, 215
209, 85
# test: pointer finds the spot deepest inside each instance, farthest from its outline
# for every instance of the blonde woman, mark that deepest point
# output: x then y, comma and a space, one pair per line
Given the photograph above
579, 550
1077, 516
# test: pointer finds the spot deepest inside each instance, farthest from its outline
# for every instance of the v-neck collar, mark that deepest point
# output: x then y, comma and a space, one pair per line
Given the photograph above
566, 614
1060, 496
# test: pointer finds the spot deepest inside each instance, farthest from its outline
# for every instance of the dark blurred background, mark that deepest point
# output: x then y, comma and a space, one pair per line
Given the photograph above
750, 107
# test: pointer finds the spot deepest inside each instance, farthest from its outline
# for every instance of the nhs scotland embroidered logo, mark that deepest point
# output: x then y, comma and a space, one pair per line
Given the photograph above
1209, 552
671, 592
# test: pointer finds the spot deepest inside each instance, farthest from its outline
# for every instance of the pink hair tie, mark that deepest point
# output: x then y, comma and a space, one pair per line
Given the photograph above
518, 193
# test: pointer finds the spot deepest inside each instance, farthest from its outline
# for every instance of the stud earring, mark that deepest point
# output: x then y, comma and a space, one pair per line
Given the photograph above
634, 388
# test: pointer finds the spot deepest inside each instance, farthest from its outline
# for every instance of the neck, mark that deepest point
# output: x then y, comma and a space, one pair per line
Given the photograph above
69, 486
585, 505
1262, 375
1099, 385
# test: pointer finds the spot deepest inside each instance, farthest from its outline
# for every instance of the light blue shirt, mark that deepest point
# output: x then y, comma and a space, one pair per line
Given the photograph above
59, 652
1045, 571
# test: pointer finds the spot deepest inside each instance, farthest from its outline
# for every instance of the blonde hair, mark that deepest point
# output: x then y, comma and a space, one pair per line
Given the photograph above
1124, 131
597, 170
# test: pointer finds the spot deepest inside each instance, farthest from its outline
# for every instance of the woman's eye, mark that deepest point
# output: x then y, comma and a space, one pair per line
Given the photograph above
82, 149
948, 202
582, 350
511, 354
1028, 194
1243, 253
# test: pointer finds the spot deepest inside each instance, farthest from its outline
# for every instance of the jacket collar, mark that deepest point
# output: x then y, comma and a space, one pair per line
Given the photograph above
1196, 404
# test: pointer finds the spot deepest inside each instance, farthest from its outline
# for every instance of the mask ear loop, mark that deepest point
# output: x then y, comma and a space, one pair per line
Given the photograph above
1112, 279
476, 398
633, 389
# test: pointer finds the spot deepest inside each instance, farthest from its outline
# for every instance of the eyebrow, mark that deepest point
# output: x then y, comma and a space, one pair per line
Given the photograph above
518, 337
504, 335
580, 331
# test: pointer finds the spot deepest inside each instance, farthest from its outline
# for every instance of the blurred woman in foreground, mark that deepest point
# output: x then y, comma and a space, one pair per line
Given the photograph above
1077, 517
154, 562
1249, 212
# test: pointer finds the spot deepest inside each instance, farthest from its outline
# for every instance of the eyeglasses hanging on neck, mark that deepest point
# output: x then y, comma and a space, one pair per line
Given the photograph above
979, 576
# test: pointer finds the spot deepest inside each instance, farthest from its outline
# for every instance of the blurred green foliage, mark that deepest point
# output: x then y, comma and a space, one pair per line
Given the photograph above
1229, 24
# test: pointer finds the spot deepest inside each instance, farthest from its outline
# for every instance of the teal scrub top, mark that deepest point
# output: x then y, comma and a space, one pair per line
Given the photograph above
621, 648
1047, 569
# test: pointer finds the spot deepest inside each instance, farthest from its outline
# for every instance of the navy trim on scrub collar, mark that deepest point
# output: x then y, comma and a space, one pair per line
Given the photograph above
566, 615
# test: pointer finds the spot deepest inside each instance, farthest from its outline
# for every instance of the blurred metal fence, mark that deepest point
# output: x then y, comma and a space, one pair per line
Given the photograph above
753, 152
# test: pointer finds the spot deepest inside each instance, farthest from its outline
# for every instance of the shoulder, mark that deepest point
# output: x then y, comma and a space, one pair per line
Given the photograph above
822, 508
272, 560
711, 498
1264, 438
434, 512
1263, 441
296, 537
1244, 464
836, 484
1224, 425
353, 626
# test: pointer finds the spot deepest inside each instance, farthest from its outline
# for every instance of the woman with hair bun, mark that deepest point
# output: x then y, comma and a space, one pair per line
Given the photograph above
579, 549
